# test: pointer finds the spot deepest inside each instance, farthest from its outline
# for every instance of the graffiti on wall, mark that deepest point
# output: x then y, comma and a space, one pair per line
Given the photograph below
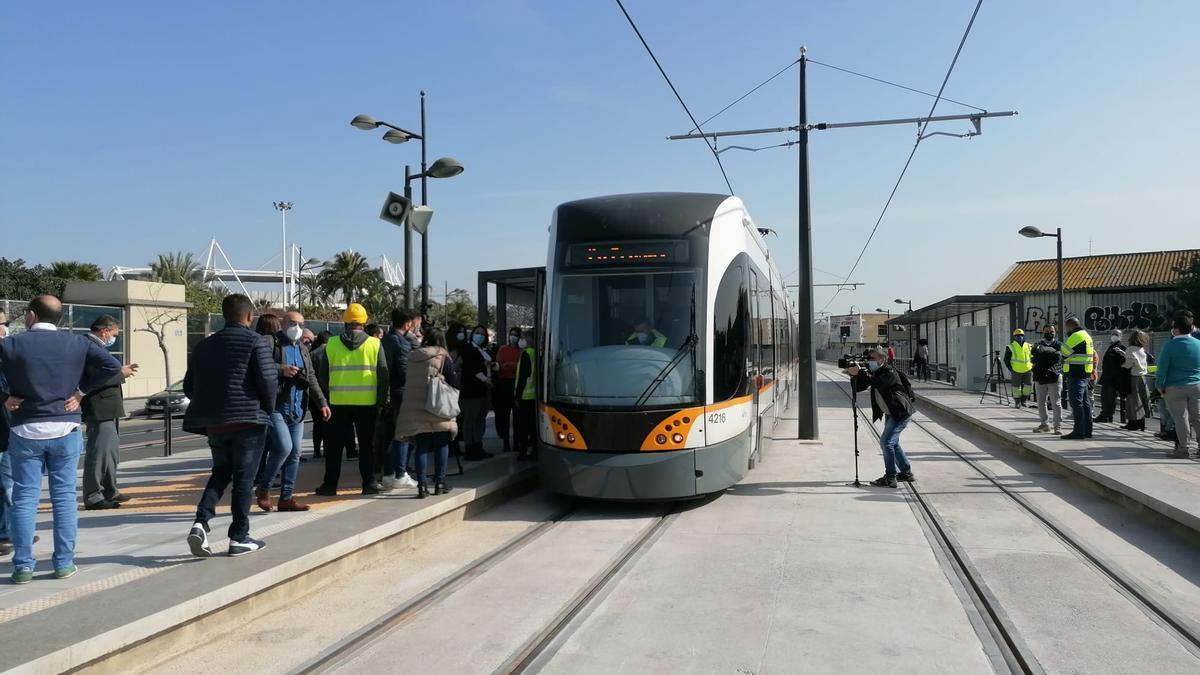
1140, 315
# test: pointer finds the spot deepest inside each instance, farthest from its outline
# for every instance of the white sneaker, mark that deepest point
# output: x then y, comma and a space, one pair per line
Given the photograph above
406, 481
389, 483
1041, 428
198, 541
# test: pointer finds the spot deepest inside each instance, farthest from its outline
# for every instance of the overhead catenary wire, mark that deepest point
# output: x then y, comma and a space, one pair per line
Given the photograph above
743, 96
894, 84
911, 154
711, 146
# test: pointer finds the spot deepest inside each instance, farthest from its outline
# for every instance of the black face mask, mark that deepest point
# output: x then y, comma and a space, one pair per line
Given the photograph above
1048, 336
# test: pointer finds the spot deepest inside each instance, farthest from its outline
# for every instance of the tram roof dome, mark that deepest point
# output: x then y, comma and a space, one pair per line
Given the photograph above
665, 213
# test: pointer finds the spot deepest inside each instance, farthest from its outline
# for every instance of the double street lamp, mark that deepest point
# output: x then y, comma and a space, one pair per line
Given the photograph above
898, 301
418, 218
1034, 233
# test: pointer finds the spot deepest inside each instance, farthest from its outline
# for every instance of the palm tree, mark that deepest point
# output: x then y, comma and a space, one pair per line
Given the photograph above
177, 268
348, 273
380, 297
73, 270
311, 292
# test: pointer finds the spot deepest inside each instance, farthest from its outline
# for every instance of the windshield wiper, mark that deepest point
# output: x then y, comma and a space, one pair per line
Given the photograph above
688, 347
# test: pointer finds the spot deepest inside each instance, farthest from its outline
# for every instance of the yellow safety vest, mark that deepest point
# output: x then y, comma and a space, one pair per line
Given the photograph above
1082, 360
352, 375
659, 340
530, 391
1020, 357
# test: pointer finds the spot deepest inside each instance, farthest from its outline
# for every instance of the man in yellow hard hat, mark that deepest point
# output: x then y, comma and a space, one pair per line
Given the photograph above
1018, 358
354, 376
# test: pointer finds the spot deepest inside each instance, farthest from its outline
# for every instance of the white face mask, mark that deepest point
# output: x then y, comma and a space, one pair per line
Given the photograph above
294, 332
1114, 339
522, 343
112, 340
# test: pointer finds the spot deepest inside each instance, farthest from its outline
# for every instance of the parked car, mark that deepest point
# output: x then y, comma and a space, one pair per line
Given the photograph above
156, 403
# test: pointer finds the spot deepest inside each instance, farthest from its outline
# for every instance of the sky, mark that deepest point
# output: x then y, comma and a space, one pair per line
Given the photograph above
133, 128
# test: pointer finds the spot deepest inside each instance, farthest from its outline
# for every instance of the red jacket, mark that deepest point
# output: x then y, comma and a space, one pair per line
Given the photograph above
508, 356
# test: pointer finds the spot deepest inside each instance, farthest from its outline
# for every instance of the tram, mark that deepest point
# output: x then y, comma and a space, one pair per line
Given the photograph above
667, 347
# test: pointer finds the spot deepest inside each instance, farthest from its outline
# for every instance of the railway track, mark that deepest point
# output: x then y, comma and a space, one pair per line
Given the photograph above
342, 655
1016, 653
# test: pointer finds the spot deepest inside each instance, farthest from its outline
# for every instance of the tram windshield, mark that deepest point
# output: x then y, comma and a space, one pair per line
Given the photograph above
622, 340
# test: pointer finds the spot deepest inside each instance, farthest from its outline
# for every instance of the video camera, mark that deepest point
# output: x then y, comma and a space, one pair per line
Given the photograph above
848, 360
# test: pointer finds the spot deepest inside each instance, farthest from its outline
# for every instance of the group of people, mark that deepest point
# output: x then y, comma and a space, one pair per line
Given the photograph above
369, 393
1127, 375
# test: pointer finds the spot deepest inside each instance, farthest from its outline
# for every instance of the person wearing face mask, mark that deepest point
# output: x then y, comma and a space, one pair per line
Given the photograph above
398, 344
1018, 361
1079, 362
102, 410
1114, 378
891, 400
644, 333
475, 392
507, 357
1178, 378
1137, 402
1046, 364
525, 392
297, 385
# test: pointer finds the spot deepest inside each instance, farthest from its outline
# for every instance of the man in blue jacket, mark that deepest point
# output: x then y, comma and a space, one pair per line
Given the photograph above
1178, 379
48, 372
232, 381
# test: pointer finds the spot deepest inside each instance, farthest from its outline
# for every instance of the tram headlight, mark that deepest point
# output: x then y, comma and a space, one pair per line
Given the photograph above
562, 436
661, 439
677, 438
570, 438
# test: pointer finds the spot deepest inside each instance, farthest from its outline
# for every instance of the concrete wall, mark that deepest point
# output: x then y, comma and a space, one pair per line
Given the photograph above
146, 303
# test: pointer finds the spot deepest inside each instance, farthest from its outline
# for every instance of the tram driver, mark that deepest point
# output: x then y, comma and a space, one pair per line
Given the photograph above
644, 333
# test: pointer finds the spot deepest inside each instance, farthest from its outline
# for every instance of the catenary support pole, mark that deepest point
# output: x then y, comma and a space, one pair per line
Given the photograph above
408, 254
1062, 311
806, 400
425, 234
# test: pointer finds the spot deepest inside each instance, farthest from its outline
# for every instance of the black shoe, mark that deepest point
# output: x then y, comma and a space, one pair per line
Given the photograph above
1101, 420
101, 505
422, 491
6, 546
885, 481
372, 489
197, 540
316, 454
305, 459
441, 489
245, 546
1073, 437
325, 491
906, 476
352, 455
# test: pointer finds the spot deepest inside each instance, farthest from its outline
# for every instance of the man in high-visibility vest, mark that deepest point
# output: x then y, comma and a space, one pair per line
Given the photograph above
1078, 365
1018, 358
354, 376
644, 333
525, 392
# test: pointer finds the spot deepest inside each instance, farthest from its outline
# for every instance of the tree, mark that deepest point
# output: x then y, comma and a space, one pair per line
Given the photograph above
157, 320
380, 297
177, 268
1187, 288
348, 273
458, 308
310, 292
18, 281
73, 270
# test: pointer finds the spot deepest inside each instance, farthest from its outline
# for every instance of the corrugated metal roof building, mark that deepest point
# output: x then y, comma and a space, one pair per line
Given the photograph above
1123, 291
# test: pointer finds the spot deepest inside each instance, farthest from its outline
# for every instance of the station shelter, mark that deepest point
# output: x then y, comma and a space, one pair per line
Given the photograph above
517, 298
966, 335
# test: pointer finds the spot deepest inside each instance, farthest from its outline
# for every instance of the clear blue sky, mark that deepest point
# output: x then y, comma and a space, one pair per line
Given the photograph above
131, 128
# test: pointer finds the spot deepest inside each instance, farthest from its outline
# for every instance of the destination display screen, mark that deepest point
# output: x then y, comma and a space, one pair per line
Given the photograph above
628, 253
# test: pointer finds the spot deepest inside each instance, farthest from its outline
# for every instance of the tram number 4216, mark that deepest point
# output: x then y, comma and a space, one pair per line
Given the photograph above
716, 418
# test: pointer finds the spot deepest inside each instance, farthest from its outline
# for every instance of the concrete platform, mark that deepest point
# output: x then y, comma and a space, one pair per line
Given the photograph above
137, 578
1128, 464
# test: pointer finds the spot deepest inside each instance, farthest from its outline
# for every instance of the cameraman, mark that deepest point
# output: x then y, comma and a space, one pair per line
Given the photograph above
892, 399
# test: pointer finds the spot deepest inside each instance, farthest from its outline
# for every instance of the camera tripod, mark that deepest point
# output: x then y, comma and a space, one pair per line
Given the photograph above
996, 375
853, 396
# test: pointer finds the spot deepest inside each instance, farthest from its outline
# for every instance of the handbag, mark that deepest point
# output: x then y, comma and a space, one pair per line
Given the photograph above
441, 400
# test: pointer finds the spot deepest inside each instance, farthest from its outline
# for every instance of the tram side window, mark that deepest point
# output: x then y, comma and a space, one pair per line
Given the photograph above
731, 323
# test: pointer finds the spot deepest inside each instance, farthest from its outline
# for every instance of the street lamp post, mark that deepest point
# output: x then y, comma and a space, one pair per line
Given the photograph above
284, 207
887, 329
900, 301
442, 168
1033, 233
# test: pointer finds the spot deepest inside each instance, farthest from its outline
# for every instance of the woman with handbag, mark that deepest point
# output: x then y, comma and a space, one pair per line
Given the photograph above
427, 413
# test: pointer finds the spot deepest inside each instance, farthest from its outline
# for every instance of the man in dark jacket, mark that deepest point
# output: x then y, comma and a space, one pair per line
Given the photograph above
48, 372
1047, 364
1114, 378
232, 381
397, 345
891, 400
102, 411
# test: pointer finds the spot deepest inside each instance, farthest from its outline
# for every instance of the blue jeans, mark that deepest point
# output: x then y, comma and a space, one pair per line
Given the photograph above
235, 458
889, 442
1165, 421
283, 452
399, 456
1081, 405
59, 458
6, 488
437, 444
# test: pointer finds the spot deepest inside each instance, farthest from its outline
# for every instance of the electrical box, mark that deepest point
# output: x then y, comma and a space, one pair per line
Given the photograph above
971, 357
